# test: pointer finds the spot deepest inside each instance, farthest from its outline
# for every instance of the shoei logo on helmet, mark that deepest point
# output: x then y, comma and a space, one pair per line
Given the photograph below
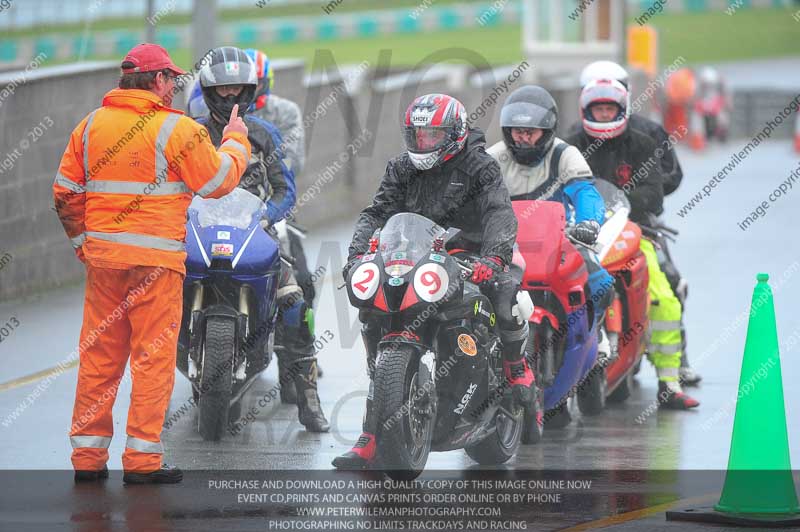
421, 116
231, 67
522, 118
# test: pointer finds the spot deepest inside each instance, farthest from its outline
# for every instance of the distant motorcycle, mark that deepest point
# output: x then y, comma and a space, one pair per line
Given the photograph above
229, 307
713, 110
438, 381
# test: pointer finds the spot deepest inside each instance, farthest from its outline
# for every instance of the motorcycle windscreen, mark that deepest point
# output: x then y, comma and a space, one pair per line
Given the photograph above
614, 197
405, 240
239, 209
616, 229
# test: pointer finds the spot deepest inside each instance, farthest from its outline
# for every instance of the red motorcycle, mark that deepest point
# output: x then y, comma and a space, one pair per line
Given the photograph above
562, 343
626, 321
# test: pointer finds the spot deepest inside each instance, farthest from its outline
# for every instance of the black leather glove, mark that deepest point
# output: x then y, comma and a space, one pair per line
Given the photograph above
586, 231
349, 266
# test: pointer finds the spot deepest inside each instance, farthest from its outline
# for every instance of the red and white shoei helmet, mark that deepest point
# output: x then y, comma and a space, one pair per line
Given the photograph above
434, 129
605, 91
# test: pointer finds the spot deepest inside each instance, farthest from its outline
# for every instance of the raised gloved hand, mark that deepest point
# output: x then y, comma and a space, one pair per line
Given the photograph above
484, 269
586, 231
235, 123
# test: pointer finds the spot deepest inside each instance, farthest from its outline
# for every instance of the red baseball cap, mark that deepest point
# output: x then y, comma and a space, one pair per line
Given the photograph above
148, 57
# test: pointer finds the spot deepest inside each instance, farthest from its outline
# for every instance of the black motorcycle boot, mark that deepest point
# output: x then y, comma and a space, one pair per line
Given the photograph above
286, 379
309, 409
517, 372
88, 475
363, 453
166, 475
671, 397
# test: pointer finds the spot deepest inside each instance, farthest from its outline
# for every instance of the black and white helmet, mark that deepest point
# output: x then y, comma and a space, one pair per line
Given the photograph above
530, 106
228, 65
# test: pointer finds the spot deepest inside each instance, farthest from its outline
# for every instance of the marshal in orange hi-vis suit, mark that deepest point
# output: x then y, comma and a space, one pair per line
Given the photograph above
122, 191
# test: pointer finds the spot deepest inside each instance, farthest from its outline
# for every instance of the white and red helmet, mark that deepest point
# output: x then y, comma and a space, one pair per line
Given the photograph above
604, 70
605, 91
434, 129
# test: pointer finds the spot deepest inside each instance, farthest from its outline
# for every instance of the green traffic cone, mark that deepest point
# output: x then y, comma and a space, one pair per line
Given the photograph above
759, 478
758, 489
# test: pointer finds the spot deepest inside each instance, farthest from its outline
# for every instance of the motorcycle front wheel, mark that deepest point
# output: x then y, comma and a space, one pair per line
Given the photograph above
406, 413
216, 378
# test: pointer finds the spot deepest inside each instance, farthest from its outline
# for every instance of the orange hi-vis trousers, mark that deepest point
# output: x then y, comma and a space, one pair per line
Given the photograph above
132, 312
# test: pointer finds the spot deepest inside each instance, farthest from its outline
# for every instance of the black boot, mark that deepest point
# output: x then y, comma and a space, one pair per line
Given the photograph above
518, 373
286, 380
82, 475
671, 397
166, 475
309, 409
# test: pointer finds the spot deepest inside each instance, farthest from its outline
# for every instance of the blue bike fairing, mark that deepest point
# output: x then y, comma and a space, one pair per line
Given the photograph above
579, 356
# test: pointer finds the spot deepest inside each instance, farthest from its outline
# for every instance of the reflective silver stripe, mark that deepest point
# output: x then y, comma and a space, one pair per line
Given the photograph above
136, 239
144, 446
137, 187
214, 183
69, 184
667, 372
86, 145
670, 325
665, 349
235, 144
164, 133
78, 240
94, 442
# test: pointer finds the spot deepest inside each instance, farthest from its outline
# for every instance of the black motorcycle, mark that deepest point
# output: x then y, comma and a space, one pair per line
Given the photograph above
438, 380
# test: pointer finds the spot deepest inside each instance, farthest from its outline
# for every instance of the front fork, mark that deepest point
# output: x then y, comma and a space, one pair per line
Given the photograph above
196, 327
197, 331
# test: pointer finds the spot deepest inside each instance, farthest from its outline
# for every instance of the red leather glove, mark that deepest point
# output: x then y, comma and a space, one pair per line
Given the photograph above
484, 269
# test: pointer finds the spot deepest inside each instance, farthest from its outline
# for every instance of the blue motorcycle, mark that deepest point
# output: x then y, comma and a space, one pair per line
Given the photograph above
229, 305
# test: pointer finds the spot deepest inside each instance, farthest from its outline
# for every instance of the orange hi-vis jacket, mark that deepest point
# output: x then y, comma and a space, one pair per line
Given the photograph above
127, 176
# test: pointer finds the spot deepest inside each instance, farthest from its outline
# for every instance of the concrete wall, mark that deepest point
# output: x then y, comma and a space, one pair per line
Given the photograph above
755, 107
29, 229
